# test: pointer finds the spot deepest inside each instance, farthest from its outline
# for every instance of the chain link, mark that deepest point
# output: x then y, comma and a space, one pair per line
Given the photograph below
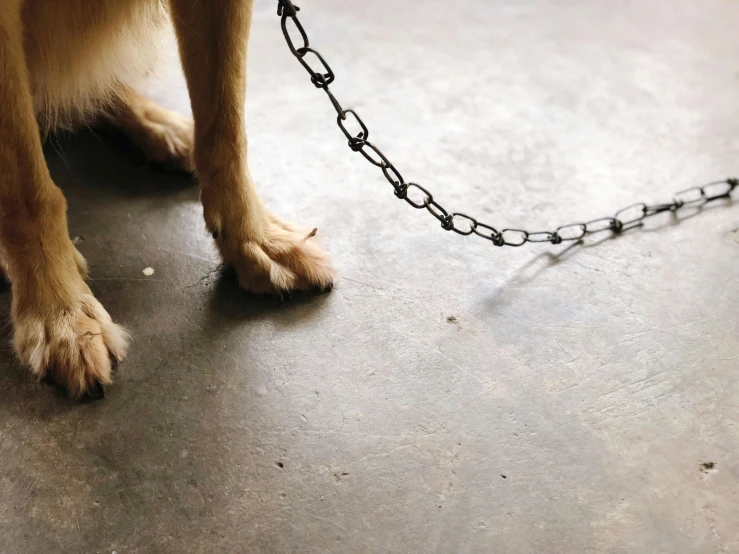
357, 135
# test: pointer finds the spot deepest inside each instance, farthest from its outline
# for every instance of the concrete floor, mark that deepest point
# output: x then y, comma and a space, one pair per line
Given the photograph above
448, 396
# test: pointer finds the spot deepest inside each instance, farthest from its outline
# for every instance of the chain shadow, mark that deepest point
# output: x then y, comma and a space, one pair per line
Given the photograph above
544, 261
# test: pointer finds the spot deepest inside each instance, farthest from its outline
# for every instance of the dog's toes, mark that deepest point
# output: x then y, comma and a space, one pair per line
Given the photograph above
277, 261
323, 289
286, 295
75, 346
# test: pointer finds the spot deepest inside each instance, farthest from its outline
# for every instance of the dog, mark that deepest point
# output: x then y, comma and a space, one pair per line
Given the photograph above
65, 61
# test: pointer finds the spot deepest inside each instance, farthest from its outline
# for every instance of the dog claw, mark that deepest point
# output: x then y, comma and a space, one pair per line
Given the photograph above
95, 392
312, 234
322, 289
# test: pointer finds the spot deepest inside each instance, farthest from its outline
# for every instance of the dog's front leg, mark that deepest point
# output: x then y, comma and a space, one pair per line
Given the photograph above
269, 255
61, 331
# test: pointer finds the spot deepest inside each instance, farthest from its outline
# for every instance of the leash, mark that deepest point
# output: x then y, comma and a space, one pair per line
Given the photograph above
321, 75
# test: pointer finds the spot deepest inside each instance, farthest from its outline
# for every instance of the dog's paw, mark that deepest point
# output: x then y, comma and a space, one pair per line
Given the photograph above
71, 347
167, 138
277, 259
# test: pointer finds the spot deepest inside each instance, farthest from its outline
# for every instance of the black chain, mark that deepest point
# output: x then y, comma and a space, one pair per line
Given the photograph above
323, 76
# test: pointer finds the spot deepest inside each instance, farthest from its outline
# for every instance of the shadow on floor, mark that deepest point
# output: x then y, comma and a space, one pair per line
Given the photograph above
106, 180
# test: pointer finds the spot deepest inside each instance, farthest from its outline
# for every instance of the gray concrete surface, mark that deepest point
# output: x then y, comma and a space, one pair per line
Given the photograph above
448, 396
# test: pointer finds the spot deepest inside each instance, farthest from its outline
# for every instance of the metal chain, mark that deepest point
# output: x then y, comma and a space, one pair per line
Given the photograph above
321, 75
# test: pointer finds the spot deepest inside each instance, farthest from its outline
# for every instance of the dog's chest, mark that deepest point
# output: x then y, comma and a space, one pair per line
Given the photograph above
78, 49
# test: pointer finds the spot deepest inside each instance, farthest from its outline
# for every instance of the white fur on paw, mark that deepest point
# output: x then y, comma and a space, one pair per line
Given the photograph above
171, 142
282, 260
73, 348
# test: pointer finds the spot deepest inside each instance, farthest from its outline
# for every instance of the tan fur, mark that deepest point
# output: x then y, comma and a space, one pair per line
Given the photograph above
79, 52
166, 137
65, 60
